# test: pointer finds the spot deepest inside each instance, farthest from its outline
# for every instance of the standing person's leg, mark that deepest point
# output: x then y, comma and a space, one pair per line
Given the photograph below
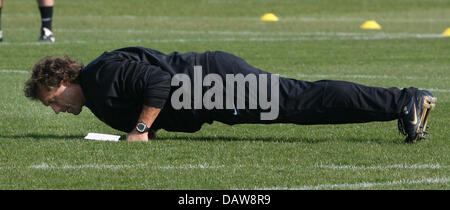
46, 10
1, 33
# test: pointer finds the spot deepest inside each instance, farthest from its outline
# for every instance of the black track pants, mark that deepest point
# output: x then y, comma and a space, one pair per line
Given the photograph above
303, 102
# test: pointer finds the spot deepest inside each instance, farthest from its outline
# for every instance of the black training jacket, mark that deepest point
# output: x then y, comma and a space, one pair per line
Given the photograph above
118, 83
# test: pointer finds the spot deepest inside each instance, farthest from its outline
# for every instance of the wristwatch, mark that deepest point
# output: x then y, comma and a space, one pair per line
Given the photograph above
142, 127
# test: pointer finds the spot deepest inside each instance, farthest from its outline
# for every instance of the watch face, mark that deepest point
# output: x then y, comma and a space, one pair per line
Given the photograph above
141, 127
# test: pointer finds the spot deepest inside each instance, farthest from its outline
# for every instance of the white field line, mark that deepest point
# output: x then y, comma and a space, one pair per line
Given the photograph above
396, 166
243, 33
362, 185
437, 90
44, 43
367, 76
242, 18
324, 76
114, 167
14, 71
380, 20
208, 166
237, 39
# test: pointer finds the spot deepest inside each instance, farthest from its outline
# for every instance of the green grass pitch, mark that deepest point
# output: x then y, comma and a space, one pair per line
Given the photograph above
314, 39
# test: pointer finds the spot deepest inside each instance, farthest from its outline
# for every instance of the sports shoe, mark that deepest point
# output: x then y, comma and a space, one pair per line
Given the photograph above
1, 35
46, 35
413, 122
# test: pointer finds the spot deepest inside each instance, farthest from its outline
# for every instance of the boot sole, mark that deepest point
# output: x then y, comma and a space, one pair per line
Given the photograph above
429, 103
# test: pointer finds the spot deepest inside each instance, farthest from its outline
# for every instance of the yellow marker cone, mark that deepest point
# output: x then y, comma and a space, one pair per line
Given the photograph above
446, 32
371, 25
269, 17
